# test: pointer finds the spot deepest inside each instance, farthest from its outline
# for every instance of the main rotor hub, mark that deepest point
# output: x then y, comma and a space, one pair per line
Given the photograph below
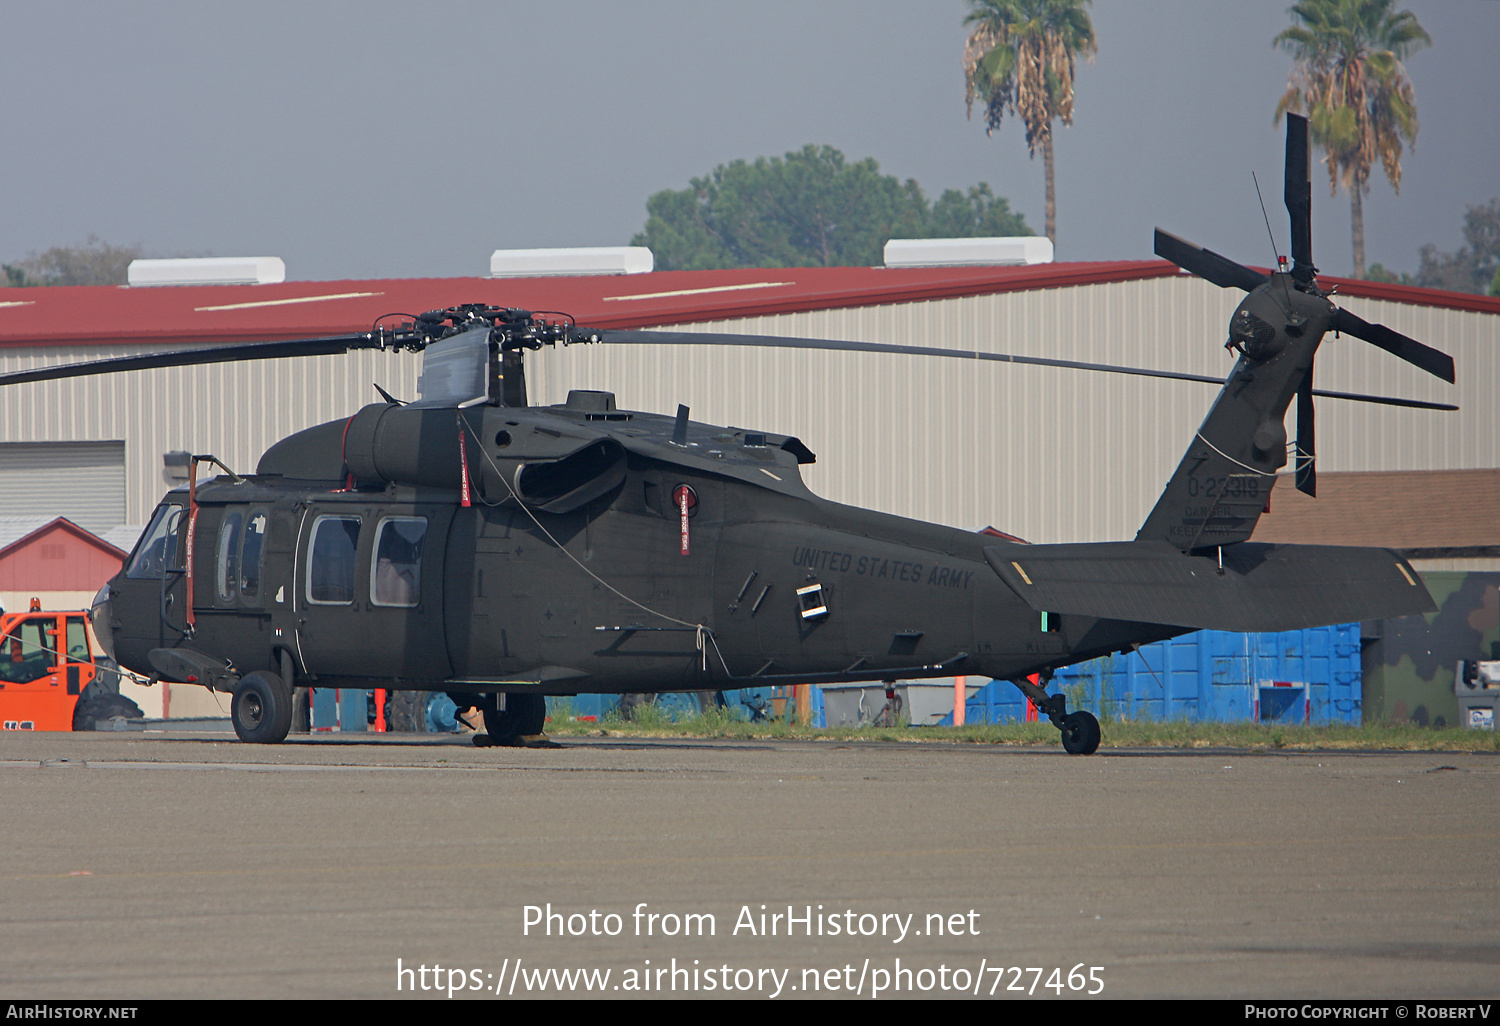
511, 328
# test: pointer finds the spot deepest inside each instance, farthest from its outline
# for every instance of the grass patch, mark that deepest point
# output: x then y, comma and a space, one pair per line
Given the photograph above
727, 723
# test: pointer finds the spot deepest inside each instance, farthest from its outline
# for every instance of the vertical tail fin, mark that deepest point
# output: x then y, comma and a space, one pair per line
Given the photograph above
1222, 485
1224, 481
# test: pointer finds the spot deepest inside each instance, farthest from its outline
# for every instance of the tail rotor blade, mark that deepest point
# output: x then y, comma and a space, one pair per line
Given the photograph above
1207, 264
1306, 464
1438, 364
1297, 193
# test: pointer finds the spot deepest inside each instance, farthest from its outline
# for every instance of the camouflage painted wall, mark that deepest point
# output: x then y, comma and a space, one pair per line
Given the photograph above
1408, 661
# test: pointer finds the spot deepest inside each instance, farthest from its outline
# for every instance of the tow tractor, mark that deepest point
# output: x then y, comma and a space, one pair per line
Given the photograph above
54, 677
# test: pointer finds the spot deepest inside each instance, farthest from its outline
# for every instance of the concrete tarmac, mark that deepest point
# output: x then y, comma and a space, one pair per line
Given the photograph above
166, 865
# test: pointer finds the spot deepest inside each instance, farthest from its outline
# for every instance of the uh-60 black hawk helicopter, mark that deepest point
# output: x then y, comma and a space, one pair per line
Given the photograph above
470, 543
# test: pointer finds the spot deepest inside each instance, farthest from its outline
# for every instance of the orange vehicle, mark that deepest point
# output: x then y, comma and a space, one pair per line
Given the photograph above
51, 677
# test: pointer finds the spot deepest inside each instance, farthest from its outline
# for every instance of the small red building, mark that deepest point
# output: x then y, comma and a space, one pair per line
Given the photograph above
54, 560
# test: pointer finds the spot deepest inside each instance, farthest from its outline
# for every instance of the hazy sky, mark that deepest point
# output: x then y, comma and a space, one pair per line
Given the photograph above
389, 139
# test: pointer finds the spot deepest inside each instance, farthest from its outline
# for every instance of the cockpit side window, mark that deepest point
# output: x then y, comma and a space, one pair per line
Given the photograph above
156, 552
250, 556
330, 565
227, 578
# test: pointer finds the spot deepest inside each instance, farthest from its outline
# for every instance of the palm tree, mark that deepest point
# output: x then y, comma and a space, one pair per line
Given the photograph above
1360, 104
1019, 59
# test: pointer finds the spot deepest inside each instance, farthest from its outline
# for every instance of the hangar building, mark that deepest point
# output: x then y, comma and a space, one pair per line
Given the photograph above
1047, 454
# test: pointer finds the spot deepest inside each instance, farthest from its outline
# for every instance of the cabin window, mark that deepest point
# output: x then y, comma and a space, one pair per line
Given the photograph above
330, 564
396, 571
156, 552
228, 578
250, 553
29, 653
78, 641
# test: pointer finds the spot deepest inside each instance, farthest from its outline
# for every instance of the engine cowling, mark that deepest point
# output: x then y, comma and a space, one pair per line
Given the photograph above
555, 467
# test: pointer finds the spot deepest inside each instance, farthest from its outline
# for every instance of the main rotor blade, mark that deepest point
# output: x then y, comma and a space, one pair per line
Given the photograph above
337, 344
1434, 362
1306, 465
630, 336
1207, 264
1385, 400
1297, 193
780, 342
330, 346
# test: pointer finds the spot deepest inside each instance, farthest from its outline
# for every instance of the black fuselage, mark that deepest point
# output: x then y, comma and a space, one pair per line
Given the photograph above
598, 599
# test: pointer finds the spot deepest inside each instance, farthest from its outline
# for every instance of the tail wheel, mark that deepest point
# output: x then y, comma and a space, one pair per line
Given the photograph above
1080, 733
523, 716
262, 708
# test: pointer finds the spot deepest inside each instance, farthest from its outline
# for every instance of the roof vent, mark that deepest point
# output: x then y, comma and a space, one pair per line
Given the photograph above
1012, 251
543, 263
207, 271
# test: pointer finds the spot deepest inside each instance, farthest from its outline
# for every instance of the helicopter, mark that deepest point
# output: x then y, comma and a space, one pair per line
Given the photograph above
471, 543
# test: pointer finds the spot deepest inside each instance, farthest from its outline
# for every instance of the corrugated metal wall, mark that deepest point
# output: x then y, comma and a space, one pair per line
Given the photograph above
234, 411
1051, 455
83, 481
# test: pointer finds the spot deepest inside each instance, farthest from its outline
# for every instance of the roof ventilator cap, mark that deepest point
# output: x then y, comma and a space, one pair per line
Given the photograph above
546, 263
207, 271
1012, 251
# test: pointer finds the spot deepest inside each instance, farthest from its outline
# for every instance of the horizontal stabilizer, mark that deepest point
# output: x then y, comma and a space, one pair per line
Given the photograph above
1261, 588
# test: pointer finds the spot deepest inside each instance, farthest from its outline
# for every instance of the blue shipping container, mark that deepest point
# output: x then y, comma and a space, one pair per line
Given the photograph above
346, 709
1307, 676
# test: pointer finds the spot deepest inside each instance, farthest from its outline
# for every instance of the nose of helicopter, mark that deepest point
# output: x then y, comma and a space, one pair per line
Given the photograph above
100, 614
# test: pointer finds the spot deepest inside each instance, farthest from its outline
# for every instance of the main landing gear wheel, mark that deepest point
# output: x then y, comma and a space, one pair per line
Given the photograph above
262, 708
519, 724
406, 712
1080, 733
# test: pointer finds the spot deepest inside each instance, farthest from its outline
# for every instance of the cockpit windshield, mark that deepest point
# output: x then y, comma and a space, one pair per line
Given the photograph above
156, 552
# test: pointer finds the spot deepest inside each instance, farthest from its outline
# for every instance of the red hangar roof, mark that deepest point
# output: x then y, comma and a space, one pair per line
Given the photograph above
113, 315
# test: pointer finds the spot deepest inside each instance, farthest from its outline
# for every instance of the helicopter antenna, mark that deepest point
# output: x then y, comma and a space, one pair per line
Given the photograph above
1275, 253
1276, 256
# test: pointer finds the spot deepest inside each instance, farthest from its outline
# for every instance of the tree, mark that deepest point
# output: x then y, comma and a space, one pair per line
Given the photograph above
1379, 272
809, 209
1347, 76
1020, 60
94, 263
977, 214
1476, 265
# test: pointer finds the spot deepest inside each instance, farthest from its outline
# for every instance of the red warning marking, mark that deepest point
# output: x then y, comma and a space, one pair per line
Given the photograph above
686, 500
463, 460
